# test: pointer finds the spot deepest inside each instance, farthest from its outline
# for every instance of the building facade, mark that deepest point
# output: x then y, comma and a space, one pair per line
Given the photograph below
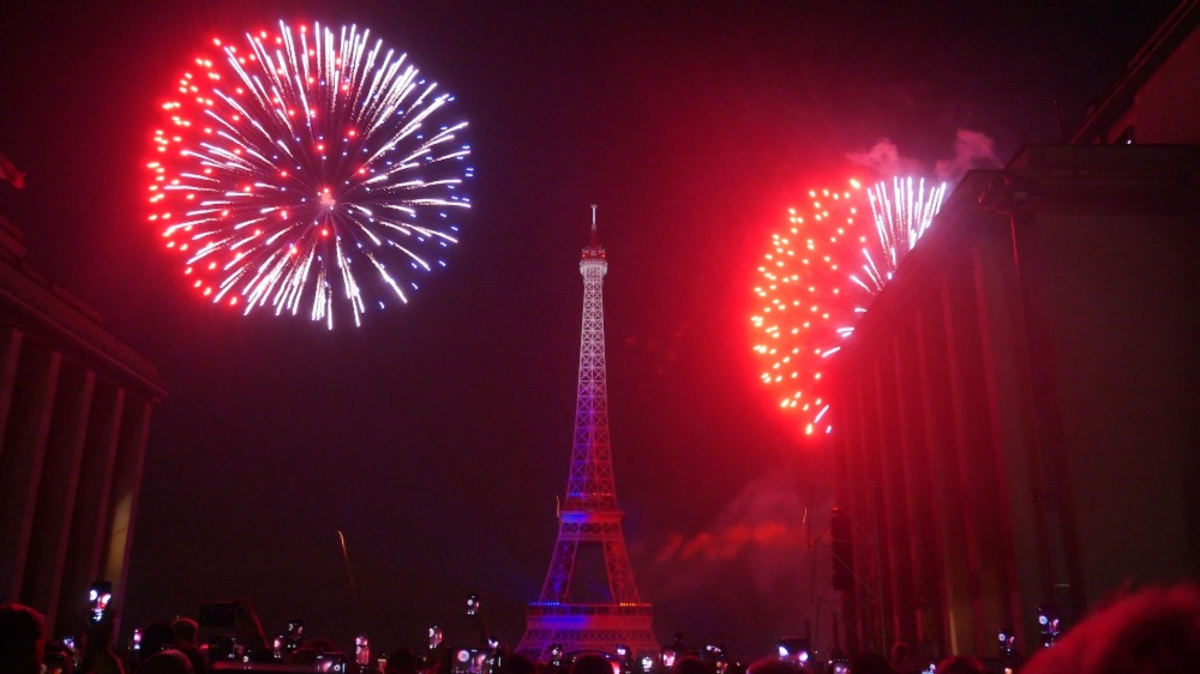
1019, 405
1157, 98
1022, 402
75, 406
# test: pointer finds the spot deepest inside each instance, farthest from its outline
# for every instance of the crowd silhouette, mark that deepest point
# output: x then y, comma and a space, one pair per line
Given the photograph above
1153, 631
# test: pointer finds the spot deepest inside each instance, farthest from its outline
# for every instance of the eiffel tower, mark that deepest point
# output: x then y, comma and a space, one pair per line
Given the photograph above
589, 519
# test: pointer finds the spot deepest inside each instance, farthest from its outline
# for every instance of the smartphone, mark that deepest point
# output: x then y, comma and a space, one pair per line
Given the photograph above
99, 596
334, 663
462, 661
362, 651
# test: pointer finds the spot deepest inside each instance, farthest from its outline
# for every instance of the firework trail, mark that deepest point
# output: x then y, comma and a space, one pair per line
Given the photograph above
819, 275
308, 168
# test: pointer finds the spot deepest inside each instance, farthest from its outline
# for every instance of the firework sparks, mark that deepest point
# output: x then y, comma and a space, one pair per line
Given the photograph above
820, 274
308, 168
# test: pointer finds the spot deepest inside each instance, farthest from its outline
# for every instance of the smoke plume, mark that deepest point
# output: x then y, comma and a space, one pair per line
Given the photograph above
762, 561
972, 150
885, 160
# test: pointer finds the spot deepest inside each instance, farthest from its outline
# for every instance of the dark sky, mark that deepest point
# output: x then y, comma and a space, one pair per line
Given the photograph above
437, 436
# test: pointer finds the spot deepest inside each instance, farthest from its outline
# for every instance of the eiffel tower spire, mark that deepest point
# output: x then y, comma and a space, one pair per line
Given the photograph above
589, 517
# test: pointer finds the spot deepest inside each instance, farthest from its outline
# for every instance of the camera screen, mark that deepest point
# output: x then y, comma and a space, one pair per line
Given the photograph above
467, 660
99, 596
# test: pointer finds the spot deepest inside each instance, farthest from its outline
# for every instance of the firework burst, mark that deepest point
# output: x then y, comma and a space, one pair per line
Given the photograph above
820, 274
308, 168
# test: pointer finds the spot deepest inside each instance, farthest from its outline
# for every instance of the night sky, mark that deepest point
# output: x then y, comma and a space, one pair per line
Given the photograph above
437, 436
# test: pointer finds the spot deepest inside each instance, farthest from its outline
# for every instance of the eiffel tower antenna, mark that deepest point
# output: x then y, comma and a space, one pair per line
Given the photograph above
589, 518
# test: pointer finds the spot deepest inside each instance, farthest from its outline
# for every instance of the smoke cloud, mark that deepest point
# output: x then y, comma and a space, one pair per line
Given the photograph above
763, 559
885, 159
972, 150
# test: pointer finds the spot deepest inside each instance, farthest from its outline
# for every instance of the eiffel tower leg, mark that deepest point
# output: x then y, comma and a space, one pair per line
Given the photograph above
620, 572
557, 587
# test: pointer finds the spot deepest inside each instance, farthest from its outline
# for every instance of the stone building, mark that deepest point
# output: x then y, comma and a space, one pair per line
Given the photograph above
1019, 410
75, 406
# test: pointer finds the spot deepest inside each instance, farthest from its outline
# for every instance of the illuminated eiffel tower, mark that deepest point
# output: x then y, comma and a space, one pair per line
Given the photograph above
589, 521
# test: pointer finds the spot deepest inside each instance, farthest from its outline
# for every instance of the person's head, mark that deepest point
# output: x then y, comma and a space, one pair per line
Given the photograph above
689, 664
869, 663
165, 662
22, 639
401, 661
959, 664
591, 664
156, 637
1155, 631
184, 631
774, 666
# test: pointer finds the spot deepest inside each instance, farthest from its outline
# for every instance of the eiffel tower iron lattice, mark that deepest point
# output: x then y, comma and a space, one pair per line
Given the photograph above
589, 516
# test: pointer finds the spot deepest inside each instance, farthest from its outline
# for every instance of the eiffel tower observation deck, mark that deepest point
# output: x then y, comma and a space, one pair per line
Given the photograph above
575, 613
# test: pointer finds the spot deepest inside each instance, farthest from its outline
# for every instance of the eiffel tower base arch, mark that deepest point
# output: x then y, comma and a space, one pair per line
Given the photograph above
580, 628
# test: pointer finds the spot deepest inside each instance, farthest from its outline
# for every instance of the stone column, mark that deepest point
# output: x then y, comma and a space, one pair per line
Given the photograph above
938, 420
56, 496
89, 523
10, 352
21, 459
127, 480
